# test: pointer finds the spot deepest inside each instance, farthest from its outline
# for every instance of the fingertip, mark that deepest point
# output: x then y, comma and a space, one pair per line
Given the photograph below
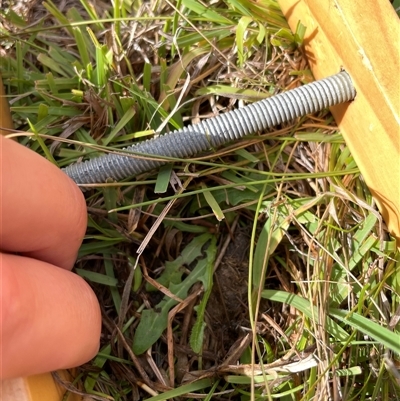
76, 229
43, 211
50, 318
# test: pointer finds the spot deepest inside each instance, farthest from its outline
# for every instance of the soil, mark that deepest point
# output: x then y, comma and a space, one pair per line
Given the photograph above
227, 309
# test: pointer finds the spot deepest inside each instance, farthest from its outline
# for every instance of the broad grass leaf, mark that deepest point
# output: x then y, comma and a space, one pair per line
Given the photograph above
154, 321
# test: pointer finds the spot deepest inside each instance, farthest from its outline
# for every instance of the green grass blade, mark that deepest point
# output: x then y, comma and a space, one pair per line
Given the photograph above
218, 213
125, 119
109, 270
163, 179
206, 13
241, 28
182, 390
377, 332
197, 334
304, 306
97, 277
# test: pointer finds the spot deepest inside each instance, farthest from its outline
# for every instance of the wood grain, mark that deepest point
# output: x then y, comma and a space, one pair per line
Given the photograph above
363, 38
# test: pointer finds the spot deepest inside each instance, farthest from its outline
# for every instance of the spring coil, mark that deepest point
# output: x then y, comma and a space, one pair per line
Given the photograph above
216, 131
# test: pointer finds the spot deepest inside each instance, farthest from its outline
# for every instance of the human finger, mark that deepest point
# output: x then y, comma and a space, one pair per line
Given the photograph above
43, 213
50, 318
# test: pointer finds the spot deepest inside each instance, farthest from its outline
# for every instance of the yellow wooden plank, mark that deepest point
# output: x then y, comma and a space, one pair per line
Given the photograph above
36, 388
363, 38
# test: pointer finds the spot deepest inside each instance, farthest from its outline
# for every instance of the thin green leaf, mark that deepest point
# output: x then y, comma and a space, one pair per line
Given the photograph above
97, 277
207, 13
300, 32
182, 390
98, 246
50, 63
241, 28
109, 269
197, 334
270, 237
247, 155
184, 227
110, 201
163, 179
43, 146
213, 203
82, 46
124, 120
233, 93
311, 311
377, 332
